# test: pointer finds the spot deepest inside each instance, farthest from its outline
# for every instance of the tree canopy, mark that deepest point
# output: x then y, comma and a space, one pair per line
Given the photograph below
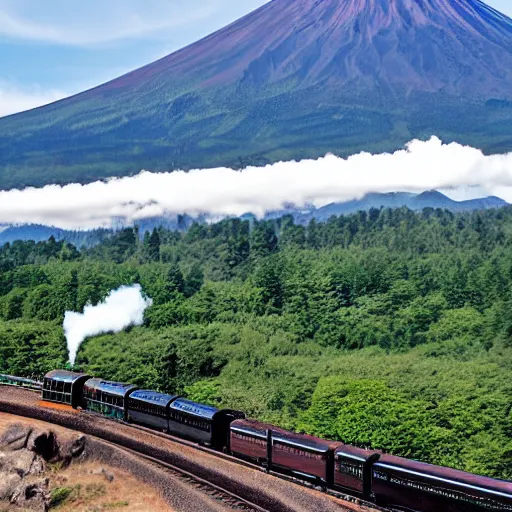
388, 329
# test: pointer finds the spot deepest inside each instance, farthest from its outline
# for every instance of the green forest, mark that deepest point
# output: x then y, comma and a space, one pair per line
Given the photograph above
386, 329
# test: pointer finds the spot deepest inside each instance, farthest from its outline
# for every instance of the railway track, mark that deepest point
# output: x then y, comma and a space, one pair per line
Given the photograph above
234, 498
236, 460
214, 491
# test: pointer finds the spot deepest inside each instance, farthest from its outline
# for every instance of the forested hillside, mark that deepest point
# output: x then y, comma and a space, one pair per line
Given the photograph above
389, 329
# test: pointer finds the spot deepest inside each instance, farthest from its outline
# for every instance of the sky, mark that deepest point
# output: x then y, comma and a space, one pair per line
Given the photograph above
49, 50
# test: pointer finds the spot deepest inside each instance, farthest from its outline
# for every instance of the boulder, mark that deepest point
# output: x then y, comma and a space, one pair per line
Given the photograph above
32, 496
24, 452
44, 443
8, 485
22, 463
15, 437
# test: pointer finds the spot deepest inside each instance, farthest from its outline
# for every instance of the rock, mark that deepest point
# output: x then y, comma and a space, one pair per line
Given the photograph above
78, 446
38, 466
33, 496
70, 449
24, 452
108, 476
44, 443
102, 471
15, 438
22, 463
8, 484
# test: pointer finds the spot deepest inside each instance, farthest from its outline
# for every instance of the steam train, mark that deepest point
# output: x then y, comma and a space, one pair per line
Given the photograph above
389, 481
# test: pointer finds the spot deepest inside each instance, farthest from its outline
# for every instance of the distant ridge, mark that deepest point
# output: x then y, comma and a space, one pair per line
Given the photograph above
415, 202
294, 79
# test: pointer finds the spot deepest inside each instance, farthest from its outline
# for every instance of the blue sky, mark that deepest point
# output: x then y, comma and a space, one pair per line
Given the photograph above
49, 50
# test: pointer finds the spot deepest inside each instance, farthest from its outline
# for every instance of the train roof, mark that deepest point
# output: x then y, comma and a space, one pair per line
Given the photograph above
352, 452
24, 380
304, 441
112, 388
307, 442
153, 397
448, 475
194, 408
253, 427
65, 376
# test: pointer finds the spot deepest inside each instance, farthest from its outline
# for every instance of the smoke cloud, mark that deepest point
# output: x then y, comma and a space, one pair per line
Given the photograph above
422, 165
123, 308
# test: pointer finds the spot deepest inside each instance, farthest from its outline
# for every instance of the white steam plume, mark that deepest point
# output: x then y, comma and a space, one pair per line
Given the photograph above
121, 309
221, 192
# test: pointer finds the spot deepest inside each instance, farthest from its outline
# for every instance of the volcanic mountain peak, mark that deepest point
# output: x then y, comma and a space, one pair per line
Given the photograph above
423, 45
294, 79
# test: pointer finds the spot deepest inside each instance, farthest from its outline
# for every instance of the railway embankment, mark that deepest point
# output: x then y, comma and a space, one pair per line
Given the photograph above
263, 490
43, 467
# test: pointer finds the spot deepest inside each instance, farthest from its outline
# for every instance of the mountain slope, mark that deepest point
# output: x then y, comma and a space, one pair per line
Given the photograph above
294, 79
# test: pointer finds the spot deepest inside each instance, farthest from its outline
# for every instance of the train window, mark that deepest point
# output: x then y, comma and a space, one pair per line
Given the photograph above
256, 441
420, 485
298, 451
351, 468
250, 439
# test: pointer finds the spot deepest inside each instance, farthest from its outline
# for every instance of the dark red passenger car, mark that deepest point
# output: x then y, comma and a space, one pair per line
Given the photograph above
303, 455
353, 470
306, 456
412, 485
248, 439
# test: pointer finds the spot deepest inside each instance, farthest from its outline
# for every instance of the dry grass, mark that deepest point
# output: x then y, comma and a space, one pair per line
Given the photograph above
85, 488
90, 491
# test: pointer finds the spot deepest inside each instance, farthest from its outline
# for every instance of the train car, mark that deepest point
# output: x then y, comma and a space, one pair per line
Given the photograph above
353, 470
150, 408
64, 387
107, 398
19, 382
201, 423
249, 439
411, 485
306, 456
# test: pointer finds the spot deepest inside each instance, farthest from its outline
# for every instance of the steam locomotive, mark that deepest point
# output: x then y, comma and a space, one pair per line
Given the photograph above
386, 480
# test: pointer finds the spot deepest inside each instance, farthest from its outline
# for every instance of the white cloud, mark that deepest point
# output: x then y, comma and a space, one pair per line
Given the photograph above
14, 98
222, 192
98, 22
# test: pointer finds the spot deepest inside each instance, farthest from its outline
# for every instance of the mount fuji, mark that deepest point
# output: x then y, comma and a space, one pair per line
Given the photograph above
294, 79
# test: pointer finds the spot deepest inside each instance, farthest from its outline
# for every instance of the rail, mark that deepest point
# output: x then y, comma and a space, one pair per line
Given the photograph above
289, 478
215, 491
237, 501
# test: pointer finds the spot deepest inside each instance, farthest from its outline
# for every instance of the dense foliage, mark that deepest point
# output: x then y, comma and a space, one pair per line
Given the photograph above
388, 329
